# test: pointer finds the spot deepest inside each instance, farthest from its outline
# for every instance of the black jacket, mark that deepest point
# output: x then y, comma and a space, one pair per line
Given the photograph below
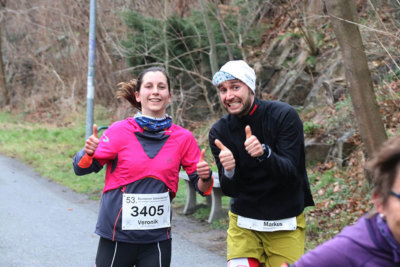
277, 187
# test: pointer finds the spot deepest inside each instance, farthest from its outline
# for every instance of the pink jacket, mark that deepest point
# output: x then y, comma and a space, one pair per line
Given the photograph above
120, 140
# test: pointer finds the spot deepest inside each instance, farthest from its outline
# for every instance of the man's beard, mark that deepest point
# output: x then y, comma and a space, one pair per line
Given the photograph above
246, 108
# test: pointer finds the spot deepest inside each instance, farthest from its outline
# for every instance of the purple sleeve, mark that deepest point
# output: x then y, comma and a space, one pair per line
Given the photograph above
333, 253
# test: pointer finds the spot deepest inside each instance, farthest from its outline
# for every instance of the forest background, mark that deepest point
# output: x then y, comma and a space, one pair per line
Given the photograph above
293, 46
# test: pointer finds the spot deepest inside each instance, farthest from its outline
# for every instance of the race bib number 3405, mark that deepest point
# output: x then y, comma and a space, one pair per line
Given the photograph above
145, 211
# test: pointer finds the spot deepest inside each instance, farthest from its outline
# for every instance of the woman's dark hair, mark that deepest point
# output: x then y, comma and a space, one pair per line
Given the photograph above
384, 168
127, 90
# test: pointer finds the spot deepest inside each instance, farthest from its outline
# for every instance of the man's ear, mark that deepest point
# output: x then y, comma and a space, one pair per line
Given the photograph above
378, 202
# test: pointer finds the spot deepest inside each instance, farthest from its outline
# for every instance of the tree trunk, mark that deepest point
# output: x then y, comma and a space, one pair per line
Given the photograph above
166, 60
221, 24
343, 15
3, 85
211, 39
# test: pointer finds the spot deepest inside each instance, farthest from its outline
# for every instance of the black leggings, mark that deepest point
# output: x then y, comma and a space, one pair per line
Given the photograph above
121, 254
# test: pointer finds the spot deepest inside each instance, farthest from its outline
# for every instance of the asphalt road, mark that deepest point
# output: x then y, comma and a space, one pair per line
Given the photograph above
45, 224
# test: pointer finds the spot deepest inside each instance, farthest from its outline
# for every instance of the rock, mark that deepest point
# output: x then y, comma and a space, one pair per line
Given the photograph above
316, 151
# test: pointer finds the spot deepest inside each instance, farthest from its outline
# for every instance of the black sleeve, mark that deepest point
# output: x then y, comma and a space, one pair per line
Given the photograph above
287, 157
229, 186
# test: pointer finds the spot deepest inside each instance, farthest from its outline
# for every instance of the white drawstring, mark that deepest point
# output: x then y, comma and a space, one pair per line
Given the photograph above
115, 253
159, 253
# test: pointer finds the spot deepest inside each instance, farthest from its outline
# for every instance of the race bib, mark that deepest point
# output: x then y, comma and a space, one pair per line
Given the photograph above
289, 224
145, 211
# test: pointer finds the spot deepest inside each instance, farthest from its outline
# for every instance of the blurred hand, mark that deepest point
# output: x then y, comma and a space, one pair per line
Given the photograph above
203, 170
225, 156
252, 145
92, 142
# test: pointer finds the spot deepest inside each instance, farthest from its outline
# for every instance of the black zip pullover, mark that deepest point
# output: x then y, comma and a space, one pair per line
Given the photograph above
277, 187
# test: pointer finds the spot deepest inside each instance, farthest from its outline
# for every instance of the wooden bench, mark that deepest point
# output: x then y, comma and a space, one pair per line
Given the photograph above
213, 200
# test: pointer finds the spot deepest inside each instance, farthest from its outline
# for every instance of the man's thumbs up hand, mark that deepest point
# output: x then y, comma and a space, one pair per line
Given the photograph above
220, 145
252, 145
248, 132
225, 156
92, 142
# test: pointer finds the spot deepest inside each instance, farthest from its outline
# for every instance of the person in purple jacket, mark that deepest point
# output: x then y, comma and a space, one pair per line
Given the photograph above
143, 155
374, 240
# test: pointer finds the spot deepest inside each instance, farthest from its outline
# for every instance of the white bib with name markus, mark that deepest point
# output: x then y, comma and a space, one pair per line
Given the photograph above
288, 224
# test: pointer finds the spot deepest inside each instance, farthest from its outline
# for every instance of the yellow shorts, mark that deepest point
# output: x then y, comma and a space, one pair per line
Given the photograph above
271, 248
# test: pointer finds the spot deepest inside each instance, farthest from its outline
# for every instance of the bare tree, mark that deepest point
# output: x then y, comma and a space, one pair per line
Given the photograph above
210, 34
227, 44
343, 17
213, 47
3, 85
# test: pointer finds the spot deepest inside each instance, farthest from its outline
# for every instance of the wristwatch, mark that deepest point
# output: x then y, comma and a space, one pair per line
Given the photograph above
267, 153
